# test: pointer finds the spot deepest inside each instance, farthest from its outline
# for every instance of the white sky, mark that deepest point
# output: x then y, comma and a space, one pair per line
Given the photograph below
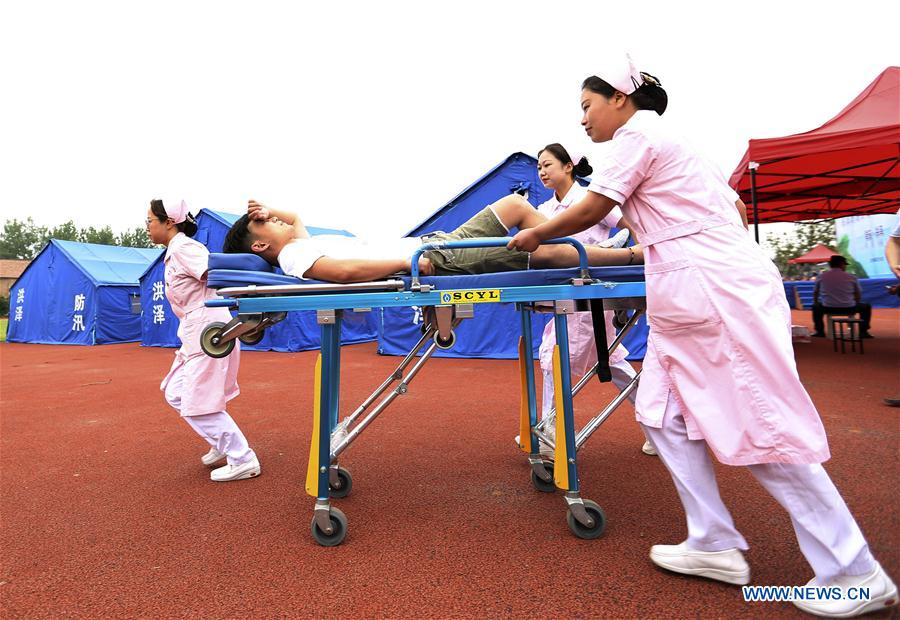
369, 116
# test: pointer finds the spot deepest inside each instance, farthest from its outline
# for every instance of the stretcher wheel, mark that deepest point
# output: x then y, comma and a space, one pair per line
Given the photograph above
582, 531
252, 338
209, 341
338, 523
344, 484
445, 344
544, 486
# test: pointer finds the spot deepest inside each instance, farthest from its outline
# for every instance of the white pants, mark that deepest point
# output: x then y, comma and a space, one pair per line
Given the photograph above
828, 535
622, 374
218, 429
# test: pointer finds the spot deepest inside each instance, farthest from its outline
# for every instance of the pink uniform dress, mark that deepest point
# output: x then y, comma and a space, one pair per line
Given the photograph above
582, 350
720, 338
206, 383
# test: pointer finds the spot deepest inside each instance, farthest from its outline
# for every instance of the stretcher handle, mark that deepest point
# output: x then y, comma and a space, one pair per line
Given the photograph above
492, 242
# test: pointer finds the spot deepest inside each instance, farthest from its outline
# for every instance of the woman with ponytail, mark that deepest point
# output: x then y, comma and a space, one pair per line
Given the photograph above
719, 373
558, 168
198, 386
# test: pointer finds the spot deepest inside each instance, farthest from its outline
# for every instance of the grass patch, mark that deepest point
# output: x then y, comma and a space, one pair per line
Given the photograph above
3, 323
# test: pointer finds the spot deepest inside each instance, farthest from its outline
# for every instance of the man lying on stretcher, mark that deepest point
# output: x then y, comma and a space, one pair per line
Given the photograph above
280, 238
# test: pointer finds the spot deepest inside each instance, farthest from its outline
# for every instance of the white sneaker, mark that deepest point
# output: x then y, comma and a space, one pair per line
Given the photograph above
550, 431
543, 449
616, 241
250, 469
212, 457
728, 565
550, 426
338, 435
648, 448
882, 594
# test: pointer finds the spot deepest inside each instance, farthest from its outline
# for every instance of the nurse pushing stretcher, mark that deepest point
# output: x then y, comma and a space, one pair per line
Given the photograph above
197, 386
558, 168
719, 370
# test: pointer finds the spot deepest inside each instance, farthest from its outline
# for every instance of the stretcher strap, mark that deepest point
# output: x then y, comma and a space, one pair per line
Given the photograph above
598, 318
524, 409
312, 468
560, 456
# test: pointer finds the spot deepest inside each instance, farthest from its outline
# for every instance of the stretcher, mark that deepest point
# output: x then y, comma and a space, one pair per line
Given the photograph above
261, 298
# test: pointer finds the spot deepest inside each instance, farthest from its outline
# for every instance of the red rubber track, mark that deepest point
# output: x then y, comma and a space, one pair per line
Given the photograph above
107, 511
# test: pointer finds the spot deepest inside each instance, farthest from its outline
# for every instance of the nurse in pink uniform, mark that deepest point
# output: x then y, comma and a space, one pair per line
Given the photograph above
197, 385
719, 371
557, 169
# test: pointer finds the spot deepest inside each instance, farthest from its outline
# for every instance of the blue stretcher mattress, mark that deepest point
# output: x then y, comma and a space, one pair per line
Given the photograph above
227, 270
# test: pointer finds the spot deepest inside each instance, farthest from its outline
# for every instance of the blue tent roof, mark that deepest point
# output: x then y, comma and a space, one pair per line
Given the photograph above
79, 293
230, 218
516, 173
108, 265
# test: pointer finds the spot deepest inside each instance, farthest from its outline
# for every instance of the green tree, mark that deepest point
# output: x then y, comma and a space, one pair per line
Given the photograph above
67, 232
135, 238
103, 236
853, 265
21, 239
804, 237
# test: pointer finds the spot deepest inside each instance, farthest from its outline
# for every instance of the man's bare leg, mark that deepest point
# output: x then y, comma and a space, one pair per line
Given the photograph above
516, 212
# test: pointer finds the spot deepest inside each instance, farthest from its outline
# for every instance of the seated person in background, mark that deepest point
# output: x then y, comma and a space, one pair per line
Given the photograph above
838, 292
281, 239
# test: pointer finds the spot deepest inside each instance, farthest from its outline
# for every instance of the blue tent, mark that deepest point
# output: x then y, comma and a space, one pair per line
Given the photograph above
79, 293
495, 330
298, 332
874, 291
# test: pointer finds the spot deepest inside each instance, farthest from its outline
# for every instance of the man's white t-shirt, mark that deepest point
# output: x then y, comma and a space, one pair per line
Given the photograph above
299, 255
836, 288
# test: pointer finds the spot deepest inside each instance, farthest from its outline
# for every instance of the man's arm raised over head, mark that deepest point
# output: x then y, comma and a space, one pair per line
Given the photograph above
259, 211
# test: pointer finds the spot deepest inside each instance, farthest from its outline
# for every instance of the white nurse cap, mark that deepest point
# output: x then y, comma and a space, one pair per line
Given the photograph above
619, 72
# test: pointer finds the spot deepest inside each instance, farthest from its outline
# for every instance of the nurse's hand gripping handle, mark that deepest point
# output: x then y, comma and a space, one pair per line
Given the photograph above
492, 242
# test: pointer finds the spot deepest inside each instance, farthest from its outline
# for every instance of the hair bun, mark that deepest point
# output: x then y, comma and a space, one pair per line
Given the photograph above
583, 168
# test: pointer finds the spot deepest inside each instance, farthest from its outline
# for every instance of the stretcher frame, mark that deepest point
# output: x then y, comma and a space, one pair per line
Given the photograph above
259, 307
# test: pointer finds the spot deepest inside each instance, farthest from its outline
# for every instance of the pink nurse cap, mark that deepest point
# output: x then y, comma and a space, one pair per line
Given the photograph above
618, 71
177, 210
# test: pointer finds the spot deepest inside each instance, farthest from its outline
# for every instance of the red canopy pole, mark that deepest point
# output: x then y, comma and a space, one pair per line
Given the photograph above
753, 166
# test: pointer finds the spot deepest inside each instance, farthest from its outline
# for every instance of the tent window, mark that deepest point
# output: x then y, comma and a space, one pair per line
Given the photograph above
521, 188
135, 304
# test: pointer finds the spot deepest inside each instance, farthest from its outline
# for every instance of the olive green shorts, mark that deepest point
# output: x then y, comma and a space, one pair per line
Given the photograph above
459, 261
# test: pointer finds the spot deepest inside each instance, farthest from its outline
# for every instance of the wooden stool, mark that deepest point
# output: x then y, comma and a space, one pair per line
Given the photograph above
853, 336
829, 321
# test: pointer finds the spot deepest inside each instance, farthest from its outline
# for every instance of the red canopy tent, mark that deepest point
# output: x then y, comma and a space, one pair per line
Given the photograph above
819, 254
848, 166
